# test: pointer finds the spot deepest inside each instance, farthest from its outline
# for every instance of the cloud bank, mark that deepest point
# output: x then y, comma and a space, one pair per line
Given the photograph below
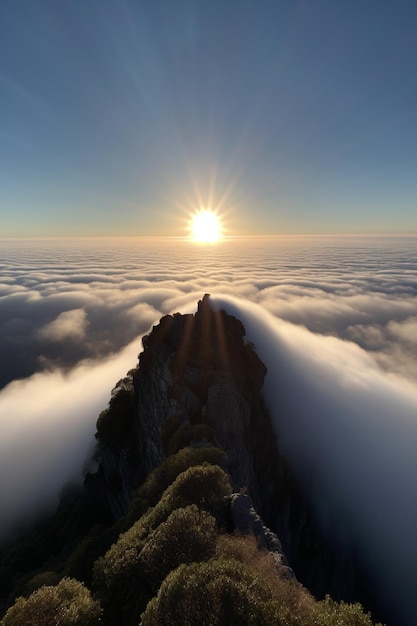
47, 428
334, 320
64, 302
350, 429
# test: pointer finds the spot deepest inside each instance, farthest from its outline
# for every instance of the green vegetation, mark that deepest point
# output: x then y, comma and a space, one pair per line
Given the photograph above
116, 421
67, 604
227, 592
222, 592
188, 535
172, 565
168, 561
126, 576
165, 474
187, 434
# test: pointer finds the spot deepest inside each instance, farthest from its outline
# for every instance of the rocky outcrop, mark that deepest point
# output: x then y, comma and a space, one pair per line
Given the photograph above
196, 369
199, 380
246, 521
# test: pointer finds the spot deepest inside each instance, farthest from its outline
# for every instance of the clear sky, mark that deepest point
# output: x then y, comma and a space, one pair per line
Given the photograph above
119, 117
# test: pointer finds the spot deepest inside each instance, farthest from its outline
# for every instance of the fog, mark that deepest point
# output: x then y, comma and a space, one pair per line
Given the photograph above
350, 429
47, 428
63, 302
334, 321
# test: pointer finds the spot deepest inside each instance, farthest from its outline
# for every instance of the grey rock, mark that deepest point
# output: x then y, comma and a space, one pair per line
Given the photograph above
198, 369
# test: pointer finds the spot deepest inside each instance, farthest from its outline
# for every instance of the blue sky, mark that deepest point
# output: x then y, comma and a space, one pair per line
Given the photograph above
122, 117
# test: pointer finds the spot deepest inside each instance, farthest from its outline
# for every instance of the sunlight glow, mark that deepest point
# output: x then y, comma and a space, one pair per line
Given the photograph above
206, 227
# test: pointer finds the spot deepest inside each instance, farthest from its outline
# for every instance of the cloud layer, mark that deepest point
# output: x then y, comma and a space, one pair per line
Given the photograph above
350, 430
64, 302
334, 320
47, 431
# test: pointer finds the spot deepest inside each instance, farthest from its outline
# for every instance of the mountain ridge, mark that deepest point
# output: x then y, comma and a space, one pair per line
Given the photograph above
200, 369
195, 398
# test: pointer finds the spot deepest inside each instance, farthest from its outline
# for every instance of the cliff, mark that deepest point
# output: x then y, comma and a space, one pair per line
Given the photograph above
192, 514
198, 381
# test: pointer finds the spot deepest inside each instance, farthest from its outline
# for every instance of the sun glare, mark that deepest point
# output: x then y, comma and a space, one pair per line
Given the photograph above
205, 227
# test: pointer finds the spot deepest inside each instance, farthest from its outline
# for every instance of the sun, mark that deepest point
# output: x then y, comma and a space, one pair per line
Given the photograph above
206, 227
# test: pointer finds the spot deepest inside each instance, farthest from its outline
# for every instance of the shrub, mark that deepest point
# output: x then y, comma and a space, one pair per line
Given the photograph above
66, 604
94, 544
190, 433
114, 423
204, 485
119, 577
47, 577
119, 580
120, 565
188, 535
177, 463
218, 592
288, 593
166, 473
327, 612
224, 592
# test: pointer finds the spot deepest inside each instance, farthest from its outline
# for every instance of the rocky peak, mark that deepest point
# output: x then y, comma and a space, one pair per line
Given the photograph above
194, 370
199, 382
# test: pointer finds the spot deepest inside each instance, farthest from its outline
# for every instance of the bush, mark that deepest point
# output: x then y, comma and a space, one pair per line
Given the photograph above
119, 567
190, 433
42, 579
120, 571
203, 485
224, 592
188, 535
287, 592
79, 564
218, 592
166, 473
66, 604
328, 613
119, 580
115, 422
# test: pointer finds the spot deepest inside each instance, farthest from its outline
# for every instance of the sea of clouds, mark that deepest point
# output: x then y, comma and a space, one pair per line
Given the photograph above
335, 321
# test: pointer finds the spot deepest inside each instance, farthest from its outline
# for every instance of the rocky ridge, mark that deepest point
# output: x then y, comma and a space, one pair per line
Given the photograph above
199, 382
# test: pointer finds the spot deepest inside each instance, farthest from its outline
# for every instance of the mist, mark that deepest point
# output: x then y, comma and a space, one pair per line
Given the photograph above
334, 321
107, 293
350, 431
47, 434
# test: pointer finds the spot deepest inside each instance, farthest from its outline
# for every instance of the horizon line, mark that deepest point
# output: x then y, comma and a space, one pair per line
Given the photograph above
188, 238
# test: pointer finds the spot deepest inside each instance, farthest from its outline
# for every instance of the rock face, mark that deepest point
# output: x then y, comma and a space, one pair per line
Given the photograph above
246, 521
198, 380
194, 369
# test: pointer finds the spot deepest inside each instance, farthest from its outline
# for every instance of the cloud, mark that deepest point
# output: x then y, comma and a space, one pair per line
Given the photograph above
406, 330
308, 283
68, 325
335, 322
349, 429
47, 433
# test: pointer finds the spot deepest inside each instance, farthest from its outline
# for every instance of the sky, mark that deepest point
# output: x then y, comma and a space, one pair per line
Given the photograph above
122, 117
